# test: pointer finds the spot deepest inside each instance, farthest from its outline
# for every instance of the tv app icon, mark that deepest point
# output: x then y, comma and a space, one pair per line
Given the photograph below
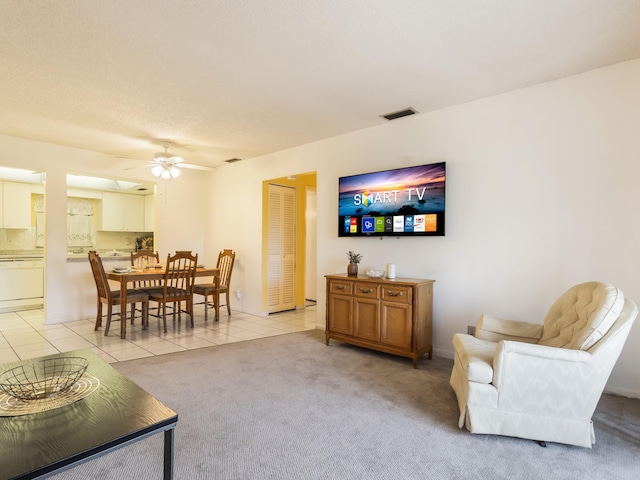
408, 223
347, 224
398, 223
368, 225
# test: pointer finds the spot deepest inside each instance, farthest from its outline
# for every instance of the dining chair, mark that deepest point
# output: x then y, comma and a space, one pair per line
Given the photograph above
140, 259
144, 257
226, 258
112, 297
176, 286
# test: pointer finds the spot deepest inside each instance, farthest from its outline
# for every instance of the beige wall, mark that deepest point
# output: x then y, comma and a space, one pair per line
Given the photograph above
542, 193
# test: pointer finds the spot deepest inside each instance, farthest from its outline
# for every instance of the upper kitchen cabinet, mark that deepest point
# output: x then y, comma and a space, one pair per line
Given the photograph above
122, 212
15, 203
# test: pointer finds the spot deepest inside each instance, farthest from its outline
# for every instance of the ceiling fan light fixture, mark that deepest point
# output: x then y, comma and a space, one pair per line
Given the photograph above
166, 164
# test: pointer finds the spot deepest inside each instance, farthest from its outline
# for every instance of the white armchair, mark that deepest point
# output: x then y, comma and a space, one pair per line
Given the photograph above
542, 382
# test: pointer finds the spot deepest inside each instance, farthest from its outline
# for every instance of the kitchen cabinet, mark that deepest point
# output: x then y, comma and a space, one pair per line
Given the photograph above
122, 212
391, 316
15, 205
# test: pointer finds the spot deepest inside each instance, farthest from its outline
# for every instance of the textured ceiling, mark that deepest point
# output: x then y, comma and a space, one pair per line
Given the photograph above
241, 78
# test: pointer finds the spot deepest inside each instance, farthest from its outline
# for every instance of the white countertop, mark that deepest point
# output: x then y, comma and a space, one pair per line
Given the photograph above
21, 254
104, 255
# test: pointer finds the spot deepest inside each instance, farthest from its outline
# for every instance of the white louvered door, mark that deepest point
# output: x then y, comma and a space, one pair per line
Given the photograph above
281, 286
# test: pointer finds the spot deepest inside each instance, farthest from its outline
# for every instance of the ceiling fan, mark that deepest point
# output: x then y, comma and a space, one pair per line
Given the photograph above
167, 165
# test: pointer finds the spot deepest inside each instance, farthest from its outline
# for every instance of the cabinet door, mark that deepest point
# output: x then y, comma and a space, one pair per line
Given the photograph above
366, 318
133, 213
366, 311
122, 212
16, 205
395, 324
112, 219
339, 315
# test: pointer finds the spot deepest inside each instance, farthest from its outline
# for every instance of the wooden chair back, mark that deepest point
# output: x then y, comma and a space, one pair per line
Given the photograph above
148, 258
179, 276
226, 258
100, 277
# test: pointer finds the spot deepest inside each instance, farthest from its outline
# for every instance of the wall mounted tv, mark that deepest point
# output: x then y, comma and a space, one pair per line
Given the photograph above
406, 201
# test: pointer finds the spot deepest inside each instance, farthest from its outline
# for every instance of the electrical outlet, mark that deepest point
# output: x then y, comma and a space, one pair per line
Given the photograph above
238, 294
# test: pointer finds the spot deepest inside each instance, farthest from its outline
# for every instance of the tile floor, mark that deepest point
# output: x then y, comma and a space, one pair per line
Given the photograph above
24, 335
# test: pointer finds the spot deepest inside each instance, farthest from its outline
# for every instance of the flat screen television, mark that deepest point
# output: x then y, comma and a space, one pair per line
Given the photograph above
407, 201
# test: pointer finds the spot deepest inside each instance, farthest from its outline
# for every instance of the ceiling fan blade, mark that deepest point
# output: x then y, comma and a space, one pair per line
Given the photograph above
135, 167
196, 167
153, 163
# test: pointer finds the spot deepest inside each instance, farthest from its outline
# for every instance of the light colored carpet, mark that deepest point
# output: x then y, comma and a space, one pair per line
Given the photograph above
289, 407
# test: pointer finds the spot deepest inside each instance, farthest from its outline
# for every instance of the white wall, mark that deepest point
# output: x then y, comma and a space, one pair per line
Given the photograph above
542, 193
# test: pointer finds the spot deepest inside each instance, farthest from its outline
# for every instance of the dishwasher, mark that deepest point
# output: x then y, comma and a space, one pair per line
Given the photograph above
21, 284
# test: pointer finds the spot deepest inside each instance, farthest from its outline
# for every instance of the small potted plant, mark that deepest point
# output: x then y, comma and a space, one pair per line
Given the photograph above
354, 260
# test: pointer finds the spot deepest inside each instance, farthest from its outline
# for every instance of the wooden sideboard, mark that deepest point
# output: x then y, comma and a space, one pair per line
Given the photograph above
392, 316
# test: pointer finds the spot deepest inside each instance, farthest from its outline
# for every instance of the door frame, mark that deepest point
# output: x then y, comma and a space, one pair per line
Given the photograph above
300, 182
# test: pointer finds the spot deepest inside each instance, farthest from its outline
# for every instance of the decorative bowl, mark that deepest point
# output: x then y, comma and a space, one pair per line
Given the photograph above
375, 273
43, 378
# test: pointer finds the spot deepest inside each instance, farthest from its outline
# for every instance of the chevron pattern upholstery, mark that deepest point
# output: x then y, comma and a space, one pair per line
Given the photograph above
542, 382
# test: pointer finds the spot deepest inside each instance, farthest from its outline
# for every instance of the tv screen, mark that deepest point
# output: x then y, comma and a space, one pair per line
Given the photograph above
406, 201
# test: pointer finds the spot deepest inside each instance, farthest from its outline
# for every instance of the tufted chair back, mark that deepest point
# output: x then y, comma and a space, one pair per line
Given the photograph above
582, 316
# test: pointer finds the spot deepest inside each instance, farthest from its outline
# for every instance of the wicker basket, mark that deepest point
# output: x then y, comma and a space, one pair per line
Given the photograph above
43, 378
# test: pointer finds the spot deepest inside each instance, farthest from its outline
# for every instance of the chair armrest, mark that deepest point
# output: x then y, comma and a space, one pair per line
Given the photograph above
546, 380
495, 329
508, 347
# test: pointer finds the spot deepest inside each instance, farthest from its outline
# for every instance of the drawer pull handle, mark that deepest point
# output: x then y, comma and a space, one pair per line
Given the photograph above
362, 290
394, 294
342, 288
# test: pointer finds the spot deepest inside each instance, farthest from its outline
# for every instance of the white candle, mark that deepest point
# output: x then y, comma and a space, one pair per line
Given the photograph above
391, 270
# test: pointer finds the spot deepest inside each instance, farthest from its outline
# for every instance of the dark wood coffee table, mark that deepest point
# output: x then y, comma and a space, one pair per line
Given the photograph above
118, 413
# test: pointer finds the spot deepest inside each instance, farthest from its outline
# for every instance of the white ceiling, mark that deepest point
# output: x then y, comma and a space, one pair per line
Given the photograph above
241, 78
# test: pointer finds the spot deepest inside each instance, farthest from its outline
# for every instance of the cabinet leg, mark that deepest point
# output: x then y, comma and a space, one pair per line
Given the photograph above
415, 362
326, 338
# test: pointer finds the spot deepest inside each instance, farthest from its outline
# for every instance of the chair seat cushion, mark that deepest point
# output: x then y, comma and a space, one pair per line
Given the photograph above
204, 288
157, 294
133, 296
475, 357
582, 316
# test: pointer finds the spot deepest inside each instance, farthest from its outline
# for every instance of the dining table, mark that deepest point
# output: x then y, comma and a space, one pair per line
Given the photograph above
151, 273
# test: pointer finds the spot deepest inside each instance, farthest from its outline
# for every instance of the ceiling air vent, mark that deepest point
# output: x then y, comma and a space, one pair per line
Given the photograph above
399, 114
232, 160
